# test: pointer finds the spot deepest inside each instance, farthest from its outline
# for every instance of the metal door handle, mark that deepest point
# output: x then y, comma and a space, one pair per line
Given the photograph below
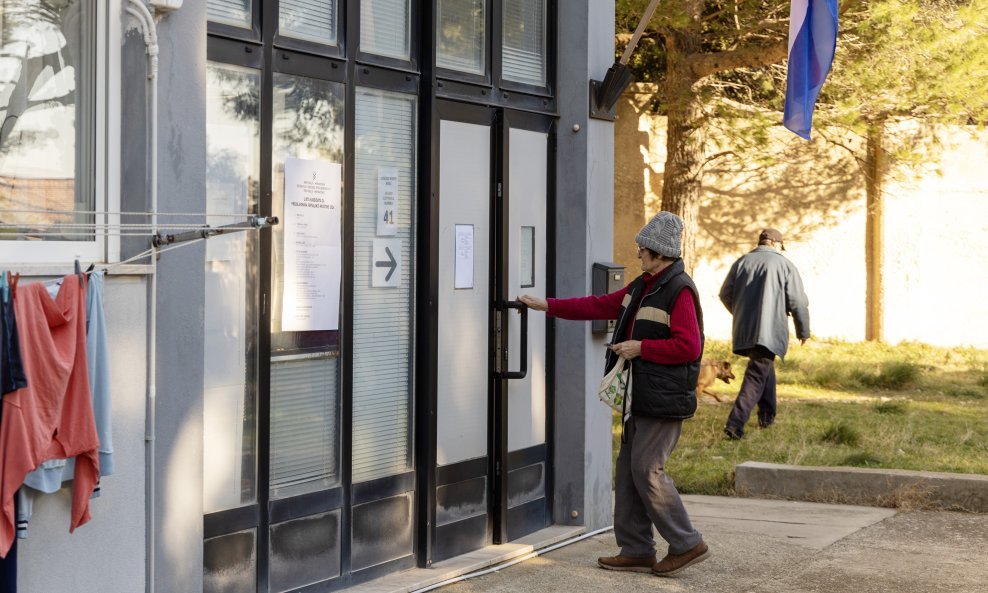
523, 371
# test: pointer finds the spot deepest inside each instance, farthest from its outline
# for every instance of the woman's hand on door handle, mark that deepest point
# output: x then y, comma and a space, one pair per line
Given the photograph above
534, 302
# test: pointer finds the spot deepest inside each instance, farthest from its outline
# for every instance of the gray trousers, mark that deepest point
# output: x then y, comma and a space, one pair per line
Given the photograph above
645, 495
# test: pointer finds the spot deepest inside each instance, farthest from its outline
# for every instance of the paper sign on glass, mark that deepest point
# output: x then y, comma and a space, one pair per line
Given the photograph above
463, 261
387, 201
313, 245
386, 272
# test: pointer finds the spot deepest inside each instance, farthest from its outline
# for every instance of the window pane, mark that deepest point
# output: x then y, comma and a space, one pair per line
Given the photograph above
307, 132
305, 439
47, 119
524, 41
383, 306
384, 28
229, 12
232, 168
312, 20
461, 36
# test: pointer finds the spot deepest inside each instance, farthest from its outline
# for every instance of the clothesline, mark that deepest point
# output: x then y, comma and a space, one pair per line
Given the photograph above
108, 213
176, 231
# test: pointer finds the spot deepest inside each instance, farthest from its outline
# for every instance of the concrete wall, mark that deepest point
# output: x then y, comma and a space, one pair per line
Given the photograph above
181, 294
935, 226
584, 227
107, 554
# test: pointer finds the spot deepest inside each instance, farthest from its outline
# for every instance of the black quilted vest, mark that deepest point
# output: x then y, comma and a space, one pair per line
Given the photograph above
659, 390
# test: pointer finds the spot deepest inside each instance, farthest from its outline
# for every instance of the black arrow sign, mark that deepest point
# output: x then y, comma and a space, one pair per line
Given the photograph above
393, 264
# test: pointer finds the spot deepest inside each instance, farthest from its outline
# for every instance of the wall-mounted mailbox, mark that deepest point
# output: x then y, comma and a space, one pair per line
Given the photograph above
605, 278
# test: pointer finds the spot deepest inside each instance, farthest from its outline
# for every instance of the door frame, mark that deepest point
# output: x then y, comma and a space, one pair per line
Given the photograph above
504, 459
429, 477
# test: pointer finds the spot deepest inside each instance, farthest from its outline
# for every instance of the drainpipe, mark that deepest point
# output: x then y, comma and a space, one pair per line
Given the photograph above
145, 19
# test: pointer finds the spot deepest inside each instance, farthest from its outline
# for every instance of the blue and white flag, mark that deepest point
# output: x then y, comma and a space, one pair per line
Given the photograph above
812, 41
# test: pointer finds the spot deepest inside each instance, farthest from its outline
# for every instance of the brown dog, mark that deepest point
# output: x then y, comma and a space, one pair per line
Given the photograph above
710, 371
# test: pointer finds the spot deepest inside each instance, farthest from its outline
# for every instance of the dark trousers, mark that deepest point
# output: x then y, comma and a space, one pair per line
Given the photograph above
645, 495
757, 388
8, 568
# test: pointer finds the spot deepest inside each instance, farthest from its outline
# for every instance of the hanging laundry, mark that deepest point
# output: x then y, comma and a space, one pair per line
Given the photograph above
53, 416
50, 476
11, 369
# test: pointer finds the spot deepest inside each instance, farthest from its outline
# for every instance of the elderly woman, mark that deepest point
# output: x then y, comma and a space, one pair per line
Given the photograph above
660, 329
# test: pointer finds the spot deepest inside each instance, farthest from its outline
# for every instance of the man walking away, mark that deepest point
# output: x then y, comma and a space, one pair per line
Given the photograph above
762, 288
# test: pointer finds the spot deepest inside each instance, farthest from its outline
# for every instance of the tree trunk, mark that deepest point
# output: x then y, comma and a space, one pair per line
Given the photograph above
684, 142
874, 235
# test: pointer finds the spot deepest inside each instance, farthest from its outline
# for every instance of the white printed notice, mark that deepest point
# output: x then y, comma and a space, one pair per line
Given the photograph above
313, 245
463, 264
387, 201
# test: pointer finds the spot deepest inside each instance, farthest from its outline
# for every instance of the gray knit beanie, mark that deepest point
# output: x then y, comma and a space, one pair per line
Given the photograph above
663, 234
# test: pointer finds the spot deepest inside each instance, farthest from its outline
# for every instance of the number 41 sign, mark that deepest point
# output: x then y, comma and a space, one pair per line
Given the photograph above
387, 201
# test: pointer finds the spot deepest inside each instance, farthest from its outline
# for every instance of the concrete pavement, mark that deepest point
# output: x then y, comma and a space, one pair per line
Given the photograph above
770, 546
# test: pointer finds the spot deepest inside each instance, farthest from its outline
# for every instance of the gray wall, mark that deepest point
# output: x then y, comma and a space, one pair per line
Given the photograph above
584, 223
181, 188
105, 555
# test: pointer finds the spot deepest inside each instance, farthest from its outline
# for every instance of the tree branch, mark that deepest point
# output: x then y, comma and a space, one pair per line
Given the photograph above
703, 65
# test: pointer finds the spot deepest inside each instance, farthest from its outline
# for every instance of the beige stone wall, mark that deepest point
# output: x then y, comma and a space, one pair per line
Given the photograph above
936, 227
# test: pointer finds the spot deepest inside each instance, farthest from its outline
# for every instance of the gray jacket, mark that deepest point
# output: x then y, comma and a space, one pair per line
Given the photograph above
762, 288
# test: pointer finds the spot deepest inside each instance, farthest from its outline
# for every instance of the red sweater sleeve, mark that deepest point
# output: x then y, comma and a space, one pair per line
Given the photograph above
586, 308
684, 344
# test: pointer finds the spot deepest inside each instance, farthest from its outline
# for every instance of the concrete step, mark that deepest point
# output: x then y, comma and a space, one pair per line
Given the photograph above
875, 487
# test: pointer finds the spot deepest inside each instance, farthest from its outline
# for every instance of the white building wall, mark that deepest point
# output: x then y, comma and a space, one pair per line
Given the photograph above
107, 554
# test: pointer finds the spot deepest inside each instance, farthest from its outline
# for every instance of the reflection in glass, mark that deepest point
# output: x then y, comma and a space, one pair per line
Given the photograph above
305, 442
524, 39
229, 12
461, 35
311, 21
47, 119
383, 320
230, 358
385, 28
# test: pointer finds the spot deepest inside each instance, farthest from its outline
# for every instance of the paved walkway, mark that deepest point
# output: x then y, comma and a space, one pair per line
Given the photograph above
763, 546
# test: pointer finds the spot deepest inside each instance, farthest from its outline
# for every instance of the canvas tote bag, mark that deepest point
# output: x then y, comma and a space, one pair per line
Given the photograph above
615, 388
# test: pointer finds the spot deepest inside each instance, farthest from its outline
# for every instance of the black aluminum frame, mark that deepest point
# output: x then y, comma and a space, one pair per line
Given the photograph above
491, 88
510, 525
261, 49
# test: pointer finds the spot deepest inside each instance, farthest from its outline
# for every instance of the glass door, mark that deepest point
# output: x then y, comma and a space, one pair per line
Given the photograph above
492, 469
522, 394
463, 459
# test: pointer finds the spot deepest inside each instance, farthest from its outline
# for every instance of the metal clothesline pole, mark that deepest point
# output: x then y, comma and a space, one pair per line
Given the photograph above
138, 230
257, 222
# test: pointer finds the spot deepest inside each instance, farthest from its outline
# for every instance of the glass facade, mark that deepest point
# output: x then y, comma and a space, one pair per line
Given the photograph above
230, 12
461, 35
385, 28
230, 352
309, 20
47, 120
307, 124
317, 122
524, 41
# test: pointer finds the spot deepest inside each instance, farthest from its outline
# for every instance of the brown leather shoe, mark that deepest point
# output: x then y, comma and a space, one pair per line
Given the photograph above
627, 563
673, 563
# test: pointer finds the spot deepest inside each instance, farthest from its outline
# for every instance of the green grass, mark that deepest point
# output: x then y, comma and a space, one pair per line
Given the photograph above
910, 406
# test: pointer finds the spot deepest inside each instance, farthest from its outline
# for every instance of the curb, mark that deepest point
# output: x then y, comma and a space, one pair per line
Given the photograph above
872, 487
